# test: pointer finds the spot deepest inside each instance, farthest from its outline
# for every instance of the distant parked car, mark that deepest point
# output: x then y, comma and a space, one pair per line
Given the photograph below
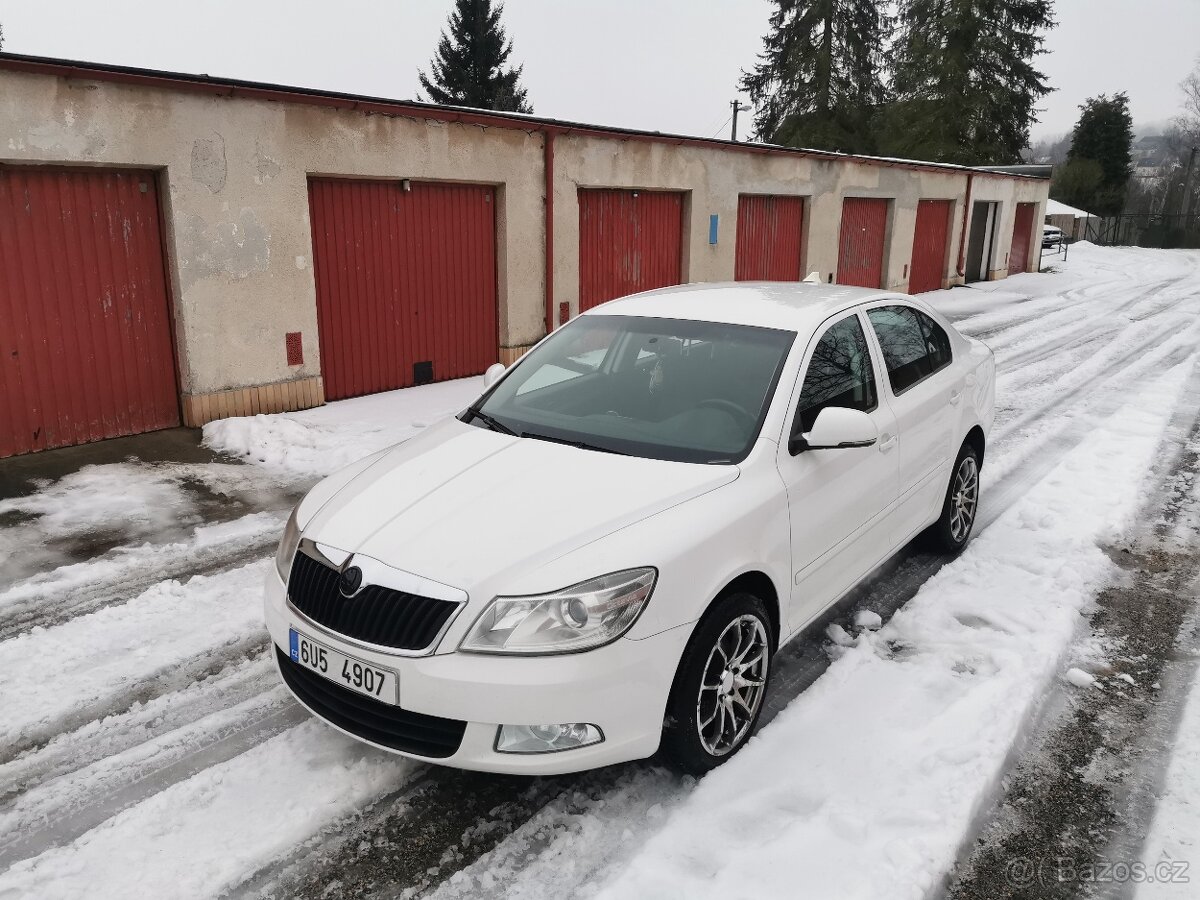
1052, 236
604, 552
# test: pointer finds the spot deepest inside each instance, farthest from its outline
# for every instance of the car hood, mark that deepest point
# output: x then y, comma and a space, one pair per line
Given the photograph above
461, 505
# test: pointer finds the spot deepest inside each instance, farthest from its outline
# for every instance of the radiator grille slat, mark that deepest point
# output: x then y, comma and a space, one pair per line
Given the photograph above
377, 614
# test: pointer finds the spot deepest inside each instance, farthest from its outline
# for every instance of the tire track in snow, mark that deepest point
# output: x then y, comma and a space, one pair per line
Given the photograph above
109, 580
554, 827
329, 852
103, 663
202, 836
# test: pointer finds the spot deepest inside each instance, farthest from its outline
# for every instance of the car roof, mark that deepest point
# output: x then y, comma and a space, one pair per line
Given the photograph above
789, 305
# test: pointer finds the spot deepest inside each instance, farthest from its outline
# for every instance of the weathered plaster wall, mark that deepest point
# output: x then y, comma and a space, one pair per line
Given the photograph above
713, 180
233, 177
1008, 192
233, 174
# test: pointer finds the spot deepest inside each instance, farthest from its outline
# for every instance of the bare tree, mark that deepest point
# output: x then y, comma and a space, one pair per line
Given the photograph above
1188, 121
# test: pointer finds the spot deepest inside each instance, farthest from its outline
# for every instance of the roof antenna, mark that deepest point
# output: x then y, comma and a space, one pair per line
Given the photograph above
813, 278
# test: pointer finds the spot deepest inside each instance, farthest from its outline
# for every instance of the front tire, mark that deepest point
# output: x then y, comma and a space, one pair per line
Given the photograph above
952, 531
720, 685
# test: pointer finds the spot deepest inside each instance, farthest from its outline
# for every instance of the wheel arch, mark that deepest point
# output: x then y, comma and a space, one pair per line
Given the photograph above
977, 442
759, 584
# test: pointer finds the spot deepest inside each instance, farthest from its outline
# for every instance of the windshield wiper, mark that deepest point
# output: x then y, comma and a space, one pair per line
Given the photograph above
570, 442
493, 424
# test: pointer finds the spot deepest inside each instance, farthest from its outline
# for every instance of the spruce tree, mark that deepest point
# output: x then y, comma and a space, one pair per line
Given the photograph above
1104, 136
469, 67
964, 79
818, 79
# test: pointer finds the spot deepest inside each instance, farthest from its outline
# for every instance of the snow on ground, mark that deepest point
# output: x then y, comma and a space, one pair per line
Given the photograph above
101, 658
201, 836
316, 442
147, 748
1171, 851
866, 786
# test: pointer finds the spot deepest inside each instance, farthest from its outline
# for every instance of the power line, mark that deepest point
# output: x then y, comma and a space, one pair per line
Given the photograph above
721, 127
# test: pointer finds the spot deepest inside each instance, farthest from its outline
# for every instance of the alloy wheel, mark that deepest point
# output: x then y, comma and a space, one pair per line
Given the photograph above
964, 497
732, 688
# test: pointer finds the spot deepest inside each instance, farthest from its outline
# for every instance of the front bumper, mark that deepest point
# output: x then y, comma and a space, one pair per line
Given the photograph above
621, 688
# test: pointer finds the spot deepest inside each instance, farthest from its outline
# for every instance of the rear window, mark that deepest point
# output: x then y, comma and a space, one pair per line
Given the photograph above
914, 345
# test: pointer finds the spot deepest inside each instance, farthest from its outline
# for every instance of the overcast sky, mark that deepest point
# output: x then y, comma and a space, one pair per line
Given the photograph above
665, 65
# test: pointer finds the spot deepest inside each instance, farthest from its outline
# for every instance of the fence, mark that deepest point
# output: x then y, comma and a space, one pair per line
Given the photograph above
1173, 231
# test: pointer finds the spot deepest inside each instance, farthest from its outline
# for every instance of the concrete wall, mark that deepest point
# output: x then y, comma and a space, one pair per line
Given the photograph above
714, 178
233, 176
1008, 192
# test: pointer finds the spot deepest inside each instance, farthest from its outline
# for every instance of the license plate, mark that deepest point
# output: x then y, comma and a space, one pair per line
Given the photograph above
364, 678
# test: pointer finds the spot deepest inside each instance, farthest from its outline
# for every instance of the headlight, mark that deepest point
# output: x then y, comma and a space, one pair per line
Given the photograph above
287, 547
581, 617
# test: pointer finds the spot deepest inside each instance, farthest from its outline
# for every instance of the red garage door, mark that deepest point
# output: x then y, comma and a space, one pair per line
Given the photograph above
406, 282
929, 246
860, 246
769, 231
629, 241
85, 328
1018, 255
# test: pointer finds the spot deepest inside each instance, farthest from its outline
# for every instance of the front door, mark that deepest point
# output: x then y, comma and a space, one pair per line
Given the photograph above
837, 499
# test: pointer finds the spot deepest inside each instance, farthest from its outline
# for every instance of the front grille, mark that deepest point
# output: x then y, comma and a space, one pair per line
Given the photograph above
379, 723
376, 614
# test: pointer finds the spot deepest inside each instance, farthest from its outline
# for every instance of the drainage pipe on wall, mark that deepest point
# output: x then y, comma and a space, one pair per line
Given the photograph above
962, 238
548, 169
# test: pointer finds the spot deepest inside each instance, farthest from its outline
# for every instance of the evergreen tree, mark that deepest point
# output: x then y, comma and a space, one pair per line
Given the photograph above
818, 79
1104, 135
1076, 182
964, 79
469, 67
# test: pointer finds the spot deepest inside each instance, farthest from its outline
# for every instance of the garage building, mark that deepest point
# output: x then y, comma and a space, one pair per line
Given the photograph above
177, 248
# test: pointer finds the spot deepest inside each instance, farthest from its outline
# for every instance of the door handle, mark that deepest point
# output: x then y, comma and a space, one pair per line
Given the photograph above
888, 442
955, 396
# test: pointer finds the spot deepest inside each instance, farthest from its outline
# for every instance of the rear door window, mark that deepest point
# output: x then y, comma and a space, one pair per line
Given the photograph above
937, 342
902, 340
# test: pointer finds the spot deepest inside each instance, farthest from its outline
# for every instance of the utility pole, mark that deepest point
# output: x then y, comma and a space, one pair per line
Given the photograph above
737, 108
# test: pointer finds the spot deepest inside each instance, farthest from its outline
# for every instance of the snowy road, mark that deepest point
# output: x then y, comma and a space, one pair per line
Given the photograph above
147, 749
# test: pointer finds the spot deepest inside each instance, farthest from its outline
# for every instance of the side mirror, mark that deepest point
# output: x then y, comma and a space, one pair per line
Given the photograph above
492, 375
836, 428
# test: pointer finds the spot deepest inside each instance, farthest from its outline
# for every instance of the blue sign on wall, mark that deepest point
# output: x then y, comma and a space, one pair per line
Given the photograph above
712, 229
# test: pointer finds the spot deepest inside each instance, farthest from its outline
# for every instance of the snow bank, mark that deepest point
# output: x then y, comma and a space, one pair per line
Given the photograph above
315, 442
1172, 849
866, 786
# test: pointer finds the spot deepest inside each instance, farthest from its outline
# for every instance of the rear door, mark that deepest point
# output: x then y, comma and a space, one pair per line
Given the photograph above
924, 391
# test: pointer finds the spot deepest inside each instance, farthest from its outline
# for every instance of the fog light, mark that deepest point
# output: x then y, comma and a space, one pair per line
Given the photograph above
546, 738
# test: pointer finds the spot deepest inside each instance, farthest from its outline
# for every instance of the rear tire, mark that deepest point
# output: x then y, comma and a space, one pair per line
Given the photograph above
719, 686
953, 530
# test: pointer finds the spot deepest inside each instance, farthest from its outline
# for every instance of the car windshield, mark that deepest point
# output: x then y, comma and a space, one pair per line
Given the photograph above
660, 388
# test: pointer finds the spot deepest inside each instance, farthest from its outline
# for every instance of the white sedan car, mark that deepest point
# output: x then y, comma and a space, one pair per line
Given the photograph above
604, 552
